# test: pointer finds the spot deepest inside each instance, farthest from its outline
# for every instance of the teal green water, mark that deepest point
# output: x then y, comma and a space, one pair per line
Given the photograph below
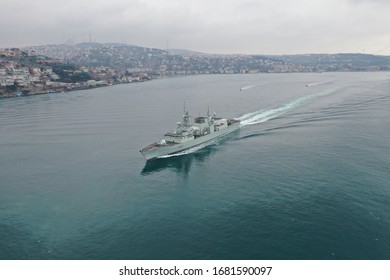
306, 177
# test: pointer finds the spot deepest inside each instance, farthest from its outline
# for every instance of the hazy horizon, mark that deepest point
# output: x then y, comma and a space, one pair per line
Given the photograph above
188, 50
268, 27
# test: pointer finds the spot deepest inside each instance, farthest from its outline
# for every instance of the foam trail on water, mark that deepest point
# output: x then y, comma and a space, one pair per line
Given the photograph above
265, 115
247, 87
317, 84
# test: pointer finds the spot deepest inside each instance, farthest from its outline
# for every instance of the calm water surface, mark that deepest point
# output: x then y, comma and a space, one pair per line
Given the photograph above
306, 177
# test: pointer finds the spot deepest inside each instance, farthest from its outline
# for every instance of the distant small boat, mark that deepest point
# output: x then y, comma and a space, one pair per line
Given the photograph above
247, 87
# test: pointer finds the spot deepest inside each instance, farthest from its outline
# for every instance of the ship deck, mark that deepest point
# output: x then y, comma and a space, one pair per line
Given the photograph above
156, 145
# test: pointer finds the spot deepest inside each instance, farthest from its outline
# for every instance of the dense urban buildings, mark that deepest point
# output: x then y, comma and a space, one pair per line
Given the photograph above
54, 68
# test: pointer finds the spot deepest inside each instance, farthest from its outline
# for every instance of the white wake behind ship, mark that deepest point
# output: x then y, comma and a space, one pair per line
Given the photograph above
188, 135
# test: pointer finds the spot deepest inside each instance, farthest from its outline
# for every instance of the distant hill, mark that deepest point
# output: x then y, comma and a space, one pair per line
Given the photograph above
184, 52
178, 61
162, 62
340, 62
118, 56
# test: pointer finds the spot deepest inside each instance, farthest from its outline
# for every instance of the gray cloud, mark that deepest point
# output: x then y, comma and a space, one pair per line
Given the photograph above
220, 26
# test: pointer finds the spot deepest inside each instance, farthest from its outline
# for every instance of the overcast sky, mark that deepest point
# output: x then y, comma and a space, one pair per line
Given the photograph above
213, 26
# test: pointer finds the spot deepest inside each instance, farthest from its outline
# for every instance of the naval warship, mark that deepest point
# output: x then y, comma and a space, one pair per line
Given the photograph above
188, 135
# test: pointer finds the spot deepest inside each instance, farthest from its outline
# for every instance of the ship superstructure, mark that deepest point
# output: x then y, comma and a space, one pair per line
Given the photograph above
188, 135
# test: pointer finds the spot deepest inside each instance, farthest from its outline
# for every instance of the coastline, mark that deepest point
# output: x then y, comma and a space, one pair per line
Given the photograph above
72, 87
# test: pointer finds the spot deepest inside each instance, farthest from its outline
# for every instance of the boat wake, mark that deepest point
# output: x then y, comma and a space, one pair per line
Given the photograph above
265, 115
317, 84
247, 87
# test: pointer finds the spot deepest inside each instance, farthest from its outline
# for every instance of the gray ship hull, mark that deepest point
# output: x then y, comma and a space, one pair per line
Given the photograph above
160, 150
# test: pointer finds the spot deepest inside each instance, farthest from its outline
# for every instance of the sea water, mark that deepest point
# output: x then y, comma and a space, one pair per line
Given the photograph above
307, 176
